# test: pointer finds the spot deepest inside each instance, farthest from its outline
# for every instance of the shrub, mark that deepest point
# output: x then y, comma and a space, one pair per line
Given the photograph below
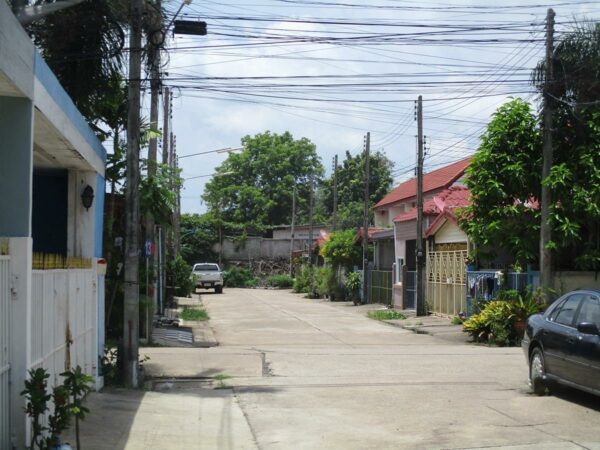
179, 275
304, 279
238, 277
280, 281
353, 284
500, 321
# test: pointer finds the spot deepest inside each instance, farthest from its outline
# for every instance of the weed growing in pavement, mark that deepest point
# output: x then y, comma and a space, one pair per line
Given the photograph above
194, 314
386, 314
220, 379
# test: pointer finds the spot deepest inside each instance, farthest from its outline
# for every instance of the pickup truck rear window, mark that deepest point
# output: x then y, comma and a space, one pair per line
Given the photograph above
206, 268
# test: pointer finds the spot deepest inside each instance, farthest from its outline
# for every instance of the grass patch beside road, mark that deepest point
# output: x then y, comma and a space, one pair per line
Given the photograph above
386, 314
194, 314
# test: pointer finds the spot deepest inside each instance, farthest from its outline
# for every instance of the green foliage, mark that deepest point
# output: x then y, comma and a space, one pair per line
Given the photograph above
66, 403
305, 280
198, 235
385, 314
351, 183
254, 188
498, 321
340, 249
239, 277
280, 281
179, 275
110, 369
83, 45
353, 284
456, 321
198, 314
158, 194
77, 384
504, 179
36, 405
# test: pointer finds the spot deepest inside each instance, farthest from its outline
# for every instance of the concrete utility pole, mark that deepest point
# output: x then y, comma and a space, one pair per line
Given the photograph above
545, 228
420, 303
131, 289
365, 236
335, 192
154, 42
310, 220
293, 231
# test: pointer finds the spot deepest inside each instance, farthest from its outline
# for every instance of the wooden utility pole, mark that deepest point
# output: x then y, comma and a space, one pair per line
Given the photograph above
365, 236
545, 227
131, 289
293, 230
335, 192
420, 256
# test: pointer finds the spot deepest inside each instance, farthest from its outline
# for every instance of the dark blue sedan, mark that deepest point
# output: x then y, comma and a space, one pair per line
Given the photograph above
563, 344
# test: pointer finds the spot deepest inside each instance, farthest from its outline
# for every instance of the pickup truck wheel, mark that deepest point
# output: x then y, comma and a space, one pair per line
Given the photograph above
218, 289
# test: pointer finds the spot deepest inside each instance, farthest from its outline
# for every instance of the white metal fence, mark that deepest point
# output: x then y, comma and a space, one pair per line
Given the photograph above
63, 314
4, 351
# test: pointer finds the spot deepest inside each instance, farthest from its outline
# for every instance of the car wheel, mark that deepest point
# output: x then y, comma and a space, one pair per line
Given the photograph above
537, 372
218, 289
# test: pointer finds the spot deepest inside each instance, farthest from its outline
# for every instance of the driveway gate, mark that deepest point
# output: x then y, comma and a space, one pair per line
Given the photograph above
4, 351
411, 289
381, 287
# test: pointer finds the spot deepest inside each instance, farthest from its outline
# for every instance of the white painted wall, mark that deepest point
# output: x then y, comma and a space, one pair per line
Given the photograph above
81, 223
450, 233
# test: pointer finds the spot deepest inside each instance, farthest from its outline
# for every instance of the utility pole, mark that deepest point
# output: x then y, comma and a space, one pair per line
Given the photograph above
310, 220
335, 192
166, 120
545, 227
420, 303
365, 237
131, 289
293, 231
154, 42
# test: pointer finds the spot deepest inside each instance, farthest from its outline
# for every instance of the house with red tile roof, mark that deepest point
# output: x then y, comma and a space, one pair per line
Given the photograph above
404, 197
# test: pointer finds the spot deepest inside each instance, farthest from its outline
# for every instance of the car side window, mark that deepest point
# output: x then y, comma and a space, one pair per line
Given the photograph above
567, 312
590, 310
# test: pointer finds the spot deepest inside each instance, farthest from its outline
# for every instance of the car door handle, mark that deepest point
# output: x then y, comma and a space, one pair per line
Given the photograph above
570, 341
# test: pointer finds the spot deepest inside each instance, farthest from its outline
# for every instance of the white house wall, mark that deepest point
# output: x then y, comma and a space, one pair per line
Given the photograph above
81, 222
449, 233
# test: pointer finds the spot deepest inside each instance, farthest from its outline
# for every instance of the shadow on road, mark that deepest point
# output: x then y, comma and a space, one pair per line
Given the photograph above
576, 396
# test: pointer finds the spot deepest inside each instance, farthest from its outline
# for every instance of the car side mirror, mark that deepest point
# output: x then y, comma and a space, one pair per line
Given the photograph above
588, 328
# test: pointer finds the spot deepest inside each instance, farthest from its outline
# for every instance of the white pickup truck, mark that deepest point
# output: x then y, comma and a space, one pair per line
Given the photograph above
208, 276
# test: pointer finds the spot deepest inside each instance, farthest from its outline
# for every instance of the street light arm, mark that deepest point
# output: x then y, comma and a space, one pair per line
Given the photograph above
32, 13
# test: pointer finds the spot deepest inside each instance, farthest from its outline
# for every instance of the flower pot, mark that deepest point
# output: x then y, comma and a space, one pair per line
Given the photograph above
520, 328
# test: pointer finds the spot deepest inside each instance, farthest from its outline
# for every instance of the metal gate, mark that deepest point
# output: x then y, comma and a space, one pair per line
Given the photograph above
446, 281
4, 351
411, 289
381, 286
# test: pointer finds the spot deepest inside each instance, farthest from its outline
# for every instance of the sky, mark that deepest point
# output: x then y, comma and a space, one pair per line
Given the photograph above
333, 70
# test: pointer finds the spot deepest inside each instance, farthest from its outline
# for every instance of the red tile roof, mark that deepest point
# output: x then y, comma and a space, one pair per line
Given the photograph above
437, 179
445, 201
370, 232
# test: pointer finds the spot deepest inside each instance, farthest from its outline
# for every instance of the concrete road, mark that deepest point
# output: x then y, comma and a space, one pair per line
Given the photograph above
330, 378
306, 374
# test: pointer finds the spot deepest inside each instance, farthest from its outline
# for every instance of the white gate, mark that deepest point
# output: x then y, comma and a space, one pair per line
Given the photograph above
4, 351
63, 321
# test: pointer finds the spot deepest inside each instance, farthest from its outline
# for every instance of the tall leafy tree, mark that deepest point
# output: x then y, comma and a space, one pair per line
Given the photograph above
253, 190
351, 185
198, 235
83, 45
575, 176
504, 181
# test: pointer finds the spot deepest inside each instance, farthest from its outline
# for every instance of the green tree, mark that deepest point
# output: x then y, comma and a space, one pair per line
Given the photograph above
575, 175
351, 184
83, 45
253, 189
198, 235
504, 182
341, 250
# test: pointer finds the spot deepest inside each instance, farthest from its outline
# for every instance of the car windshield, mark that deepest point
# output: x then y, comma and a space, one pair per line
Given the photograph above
206, 268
